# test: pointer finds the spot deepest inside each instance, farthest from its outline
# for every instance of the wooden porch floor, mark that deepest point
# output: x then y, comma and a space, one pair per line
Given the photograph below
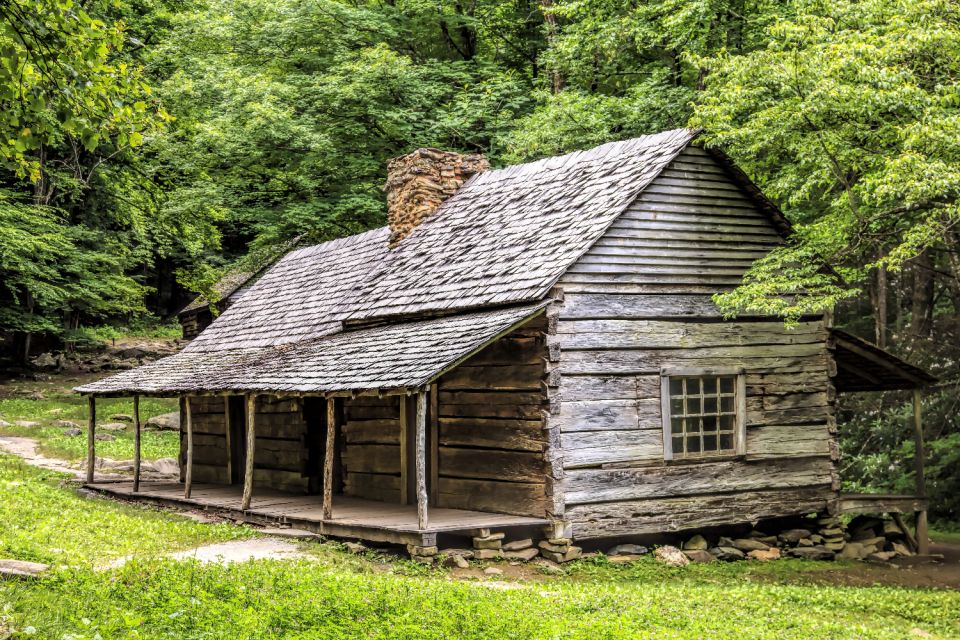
352, 517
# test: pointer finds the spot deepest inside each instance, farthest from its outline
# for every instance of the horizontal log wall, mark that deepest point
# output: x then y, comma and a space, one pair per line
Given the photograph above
279, 453
639, 301
490, 428
371, 452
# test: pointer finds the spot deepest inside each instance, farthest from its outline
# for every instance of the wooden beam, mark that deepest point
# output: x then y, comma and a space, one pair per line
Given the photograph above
867, 355
91, 436
420, 461
328, 458
227, 440
404, 451
434, 445
136, 444
922, 534
188, 476
248, 463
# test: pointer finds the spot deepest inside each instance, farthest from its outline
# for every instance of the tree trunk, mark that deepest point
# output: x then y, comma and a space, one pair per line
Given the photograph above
551, 22
878, 296
921, 307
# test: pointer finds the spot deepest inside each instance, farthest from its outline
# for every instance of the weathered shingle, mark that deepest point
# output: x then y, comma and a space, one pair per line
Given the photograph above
507, 235
396, 356
297, 298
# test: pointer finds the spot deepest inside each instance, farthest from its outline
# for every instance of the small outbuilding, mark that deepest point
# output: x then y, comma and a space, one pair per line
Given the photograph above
534, 346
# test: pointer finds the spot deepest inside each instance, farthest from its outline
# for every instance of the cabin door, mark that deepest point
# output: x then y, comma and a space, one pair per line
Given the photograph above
238, 438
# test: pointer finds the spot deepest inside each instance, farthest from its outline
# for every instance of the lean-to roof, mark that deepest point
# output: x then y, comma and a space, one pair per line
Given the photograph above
382, 358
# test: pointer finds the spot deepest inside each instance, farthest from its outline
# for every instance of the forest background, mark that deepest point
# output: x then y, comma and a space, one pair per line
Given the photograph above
147, 147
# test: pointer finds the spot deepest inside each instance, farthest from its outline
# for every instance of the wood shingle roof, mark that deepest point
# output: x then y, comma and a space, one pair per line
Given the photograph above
503, 239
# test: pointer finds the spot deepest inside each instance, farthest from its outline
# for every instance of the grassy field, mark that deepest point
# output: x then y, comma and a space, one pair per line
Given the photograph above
342, 596
51, 401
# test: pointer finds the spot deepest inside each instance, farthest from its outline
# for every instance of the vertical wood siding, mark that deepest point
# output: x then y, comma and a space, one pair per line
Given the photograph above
640, 300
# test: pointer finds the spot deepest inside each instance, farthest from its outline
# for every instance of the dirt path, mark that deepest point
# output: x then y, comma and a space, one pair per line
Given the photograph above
27, 449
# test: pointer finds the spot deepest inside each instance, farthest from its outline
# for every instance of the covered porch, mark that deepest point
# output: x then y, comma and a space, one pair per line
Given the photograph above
861, 367
348, 518
392, 433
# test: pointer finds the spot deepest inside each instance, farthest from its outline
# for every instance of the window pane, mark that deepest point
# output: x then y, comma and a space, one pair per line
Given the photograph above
709, 443
693, 386
693, 406
676, 386
676, 406
726, 442
726, 385
693, 444
677, 445
726, 404
709, 423
726, 422
709, 386
676, 425
710, 405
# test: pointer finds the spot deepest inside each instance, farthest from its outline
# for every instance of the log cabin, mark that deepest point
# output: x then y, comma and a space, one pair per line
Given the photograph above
533, 346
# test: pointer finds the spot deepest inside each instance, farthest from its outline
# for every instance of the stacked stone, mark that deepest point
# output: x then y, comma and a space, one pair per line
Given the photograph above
875, 539
830, 528
522, 550
424, 555
488, 546
559, 550
419, 182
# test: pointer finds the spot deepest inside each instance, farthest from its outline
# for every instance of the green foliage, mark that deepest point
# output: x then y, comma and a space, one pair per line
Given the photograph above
41, 521
60, 79
877, 444
846, 116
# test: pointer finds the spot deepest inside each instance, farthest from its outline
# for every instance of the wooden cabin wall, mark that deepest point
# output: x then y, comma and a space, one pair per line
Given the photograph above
489, 417
279, 452
209, 441
371, 448
640, 300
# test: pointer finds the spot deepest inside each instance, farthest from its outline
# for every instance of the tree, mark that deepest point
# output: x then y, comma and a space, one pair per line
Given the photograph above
848, 117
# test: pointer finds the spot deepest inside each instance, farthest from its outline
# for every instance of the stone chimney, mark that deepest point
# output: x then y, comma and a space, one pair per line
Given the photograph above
419, 182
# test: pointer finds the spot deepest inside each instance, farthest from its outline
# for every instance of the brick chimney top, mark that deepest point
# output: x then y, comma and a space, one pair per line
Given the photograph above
419, 182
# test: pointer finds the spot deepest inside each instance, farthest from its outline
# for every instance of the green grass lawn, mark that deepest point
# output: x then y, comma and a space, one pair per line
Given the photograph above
342, 596
59, 403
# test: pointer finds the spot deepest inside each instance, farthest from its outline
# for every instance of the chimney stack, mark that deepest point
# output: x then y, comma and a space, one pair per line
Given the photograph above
419, 182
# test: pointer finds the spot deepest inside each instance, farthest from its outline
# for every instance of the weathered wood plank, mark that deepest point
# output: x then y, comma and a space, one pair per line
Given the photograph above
280, 480
371, 458
372, 432
518, 435
638, 307
651, 334
637, 517
586, 486
599, 415
505, 378
510, 350
513, 466
212, 473
788, 441
373, 486
516, 498
593, 448
761, 358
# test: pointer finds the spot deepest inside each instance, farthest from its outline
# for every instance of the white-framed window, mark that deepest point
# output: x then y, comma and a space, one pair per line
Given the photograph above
704, 413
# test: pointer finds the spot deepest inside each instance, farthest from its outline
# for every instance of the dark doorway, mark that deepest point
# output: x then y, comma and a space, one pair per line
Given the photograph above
238, 437
315, 413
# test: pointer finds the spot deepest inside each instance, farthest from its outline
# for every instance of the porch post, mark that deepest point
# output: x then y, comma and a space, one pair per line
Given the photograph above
421, 459
923, 537
91, 433
248, 463
328, 457
188, 476
136, 444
